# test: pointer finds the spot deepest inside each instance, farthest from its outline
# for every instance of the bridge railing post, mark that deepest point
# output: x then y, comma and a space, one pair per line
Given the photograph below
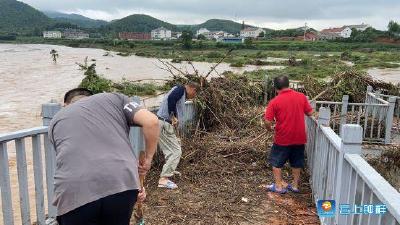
266, 91
343, 114
317, 153
49, 110
324, 116
389, 120
136, 135
351, 135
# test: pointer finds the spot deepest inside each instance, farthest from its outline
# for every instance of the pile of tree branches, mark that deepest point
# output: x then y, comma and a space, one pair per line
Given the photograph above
349, 82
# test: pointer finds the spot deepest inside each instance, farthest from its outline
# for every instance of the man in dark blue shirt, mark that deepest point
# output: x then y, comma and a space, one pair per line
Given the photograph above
171, 110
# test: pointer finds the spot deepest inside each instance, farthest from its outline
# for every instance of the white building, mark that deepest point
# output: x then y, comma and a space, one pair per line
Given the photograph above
202, 31
75, 34
211, 35
52, 34
333, 33
251, 32
161, 34
218, 34
360, 27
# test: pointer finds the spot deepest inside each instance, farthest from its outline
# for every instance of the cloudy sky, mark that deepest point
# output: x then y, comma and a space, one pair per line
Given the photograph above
276, 14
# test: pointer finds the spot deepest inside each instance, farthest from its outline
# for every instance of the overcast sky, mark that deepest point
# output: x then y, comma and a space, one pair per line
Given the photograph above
278, 14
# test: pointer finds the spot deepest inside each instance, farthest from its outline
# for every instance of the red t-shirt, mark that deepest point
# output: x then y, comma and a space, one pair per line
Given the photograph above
288, 109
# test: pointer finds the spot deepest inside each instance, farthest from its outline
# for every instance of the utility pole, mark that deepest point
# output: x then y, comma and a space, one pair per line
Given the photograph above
305, 31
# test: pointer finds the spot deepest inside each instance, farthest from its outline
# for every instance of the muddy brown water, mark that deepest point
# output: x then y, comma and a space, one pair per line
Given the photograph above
389, 74
29, 78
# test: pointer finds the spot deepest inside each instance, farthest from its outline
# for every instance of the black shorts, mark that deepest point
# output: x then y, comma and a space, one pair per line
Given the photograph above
279, 155
112, 210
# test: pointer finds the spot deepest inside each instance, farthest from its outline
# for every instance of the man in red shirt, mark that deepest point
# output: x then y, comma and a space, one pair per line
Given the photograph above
287, 110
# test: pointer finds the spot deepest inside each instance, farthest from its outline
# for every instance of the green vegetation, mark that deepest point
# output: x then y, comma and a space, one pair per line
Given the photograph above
394, 29
186, 38
285, 33
137, 23
217, 25
75, 19
98, 84
18, 17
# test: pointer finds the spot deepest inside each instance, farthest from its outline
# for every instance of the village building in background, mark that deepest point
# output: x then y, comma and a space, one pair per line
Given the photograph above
335, 33
309, 36
212, 35
251, 32
161, 34
134, 36
231, 40
202, 31
75, 34
52, 34
360, 27
176, 35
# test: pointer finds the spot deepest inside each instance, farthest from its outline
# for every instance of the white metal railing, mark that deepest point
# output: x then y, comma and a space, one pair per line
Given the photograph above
397, 104
45, 212
38, 136
375, 116
339, 173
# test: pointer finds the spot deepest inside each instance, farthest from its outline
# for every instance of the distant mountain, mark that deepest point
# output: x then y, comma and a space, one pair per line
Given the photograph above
218, 25
76, 19
18, 17
138, 23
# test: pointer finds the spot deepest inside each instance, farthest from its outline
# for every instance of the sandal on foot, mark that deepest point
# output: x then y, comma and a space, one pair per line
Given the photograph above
272, 188
292, 189
169, 185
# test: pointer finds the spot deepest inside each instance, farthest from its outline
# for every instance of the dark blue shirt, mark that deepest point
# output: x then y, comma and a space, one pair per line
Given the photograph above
173, 98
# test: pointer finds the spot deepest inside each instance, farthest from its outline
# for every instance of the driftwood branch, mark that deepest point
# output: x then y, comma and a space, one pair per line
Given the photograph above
217, 64
169, 65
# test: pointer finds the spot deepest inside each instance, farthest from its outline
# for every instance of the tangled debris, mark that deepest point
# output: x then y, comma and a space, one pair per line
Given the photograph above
388, 165
223, 162
349, 82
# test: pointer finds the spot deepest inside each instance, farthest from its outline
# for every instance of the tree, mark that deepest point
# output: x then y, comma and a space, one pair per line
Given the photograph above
201, 37
354, 33
187, 37
393, 28
248, 42
54, 55
261, 35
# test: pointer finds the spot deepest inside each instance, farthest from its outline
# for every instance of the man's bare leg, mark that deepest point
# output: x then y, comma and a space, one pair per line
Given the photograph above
279, 183
296, 177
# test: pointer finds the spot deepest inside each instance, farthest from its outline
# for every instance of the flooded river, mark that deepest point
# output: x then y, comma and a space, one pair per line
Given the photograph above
389, 75
28, 77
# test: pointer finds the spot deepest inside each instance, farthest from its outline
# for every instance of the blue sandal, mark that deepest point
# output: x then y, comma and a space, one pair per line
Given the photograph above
294, 190
272, 188
169, 185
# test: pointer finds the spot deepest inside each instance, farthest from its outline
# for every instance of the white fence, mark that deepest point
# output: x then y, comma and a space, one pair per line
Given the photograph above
338, 172
45, 211
397, 105
375, 116
38, 136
